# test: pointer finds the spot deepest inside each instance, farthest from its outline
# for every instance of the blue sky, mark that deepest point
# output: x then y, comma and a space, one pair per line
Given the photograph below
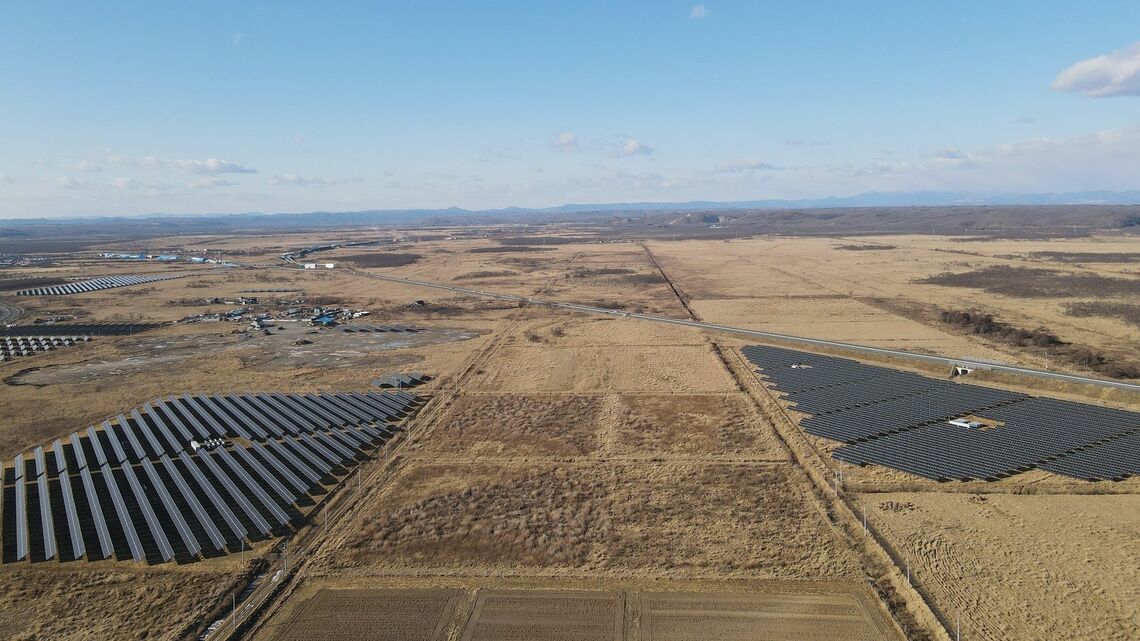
194, 107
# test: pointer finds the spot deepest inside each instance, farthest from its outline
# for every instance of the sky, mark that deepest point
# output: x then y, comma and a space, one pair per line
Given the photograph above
126, 108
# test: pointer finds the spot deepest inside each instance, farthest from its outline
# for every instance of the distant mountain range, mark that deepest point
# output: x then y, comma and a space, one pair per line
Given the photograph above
865, 199
870, 199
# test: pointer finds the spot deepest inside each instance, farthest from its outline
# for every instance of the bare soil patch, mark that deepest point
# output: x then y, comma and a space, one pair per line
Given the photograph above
1029, 282
561, 616
1086, 257
1127, 312
372, 615
508, 249
770, 616
380, 259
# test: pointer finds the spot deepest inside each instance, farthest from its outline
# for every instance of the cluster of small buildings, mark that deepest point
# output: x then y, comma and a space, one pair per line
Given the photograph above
316, 316
166, 258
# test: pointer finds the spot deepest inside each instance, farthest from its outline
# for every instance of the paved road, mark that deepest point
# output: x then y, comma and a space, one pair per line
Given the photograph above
940, 360
9, 313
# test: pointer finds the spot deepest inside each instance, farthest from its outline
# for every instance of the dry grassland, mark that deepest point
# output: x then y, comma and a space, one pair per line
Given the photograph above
96, 604
1021, 567
372, 615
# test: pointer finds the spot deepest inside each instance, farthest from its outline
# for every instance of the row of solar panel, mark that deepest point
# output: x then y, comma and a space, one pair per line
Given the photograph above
376, 329
900, 420
77, 329
11, 347
401, 380
95, 284
141, 488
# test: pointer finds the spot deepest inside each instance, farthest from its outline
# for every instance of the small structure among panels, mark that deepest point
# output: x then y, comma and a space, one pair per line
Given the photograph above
96, 284
943, 430
15, 346
401, 381
190, 476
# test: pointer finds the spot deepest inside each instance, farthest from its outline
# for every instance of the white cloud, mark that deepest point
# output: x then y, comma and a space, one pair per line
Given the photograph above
67, 182
1023, 120
565, 141
125, 184
1113, 74
87, 165
633, 148
303, 181
207, 167
209, 182
236, 39
699, 11
742, 165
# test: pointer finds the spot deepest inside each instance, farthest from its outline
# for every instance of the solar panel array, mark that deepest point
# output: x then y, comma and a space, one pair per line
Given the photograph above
373, 329
189, 476
412, 379
12, 347
900, 420
95, 284
77, 329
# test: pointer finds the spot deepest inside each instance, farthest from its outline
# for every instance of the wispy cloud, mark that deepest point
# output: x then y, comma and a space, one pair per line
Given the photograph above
87, 165
6, 180
210, 182
1113, 74
207, 167
308, 181
67, 182
742, 165
1023, 120
699, 12
564, 141
632, 147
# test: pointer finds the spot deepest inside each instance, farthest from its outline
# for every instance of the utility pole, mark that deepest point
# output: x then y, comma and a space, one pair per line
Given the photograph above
864, 520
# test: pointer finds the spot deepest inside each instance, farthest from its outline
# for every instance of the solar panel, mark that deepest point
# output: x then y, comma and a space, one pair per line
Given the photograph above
148, 434
901, 420
171, 508
221, 479
21, 510
280, 467
305, 467
73, 529
149, 516
47, 528
106, 549
231, 520
265, 475
158, 423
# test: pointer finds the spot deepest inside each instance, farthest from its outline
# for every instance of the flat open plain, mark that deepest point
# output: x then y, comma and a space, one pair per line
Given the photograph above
580, 477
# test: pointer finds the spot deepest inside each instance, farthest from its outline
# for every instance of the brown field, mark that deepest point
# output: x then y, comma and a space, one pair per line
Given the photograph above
380, 615
468, 610
559, 616
586, 477
761, 617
